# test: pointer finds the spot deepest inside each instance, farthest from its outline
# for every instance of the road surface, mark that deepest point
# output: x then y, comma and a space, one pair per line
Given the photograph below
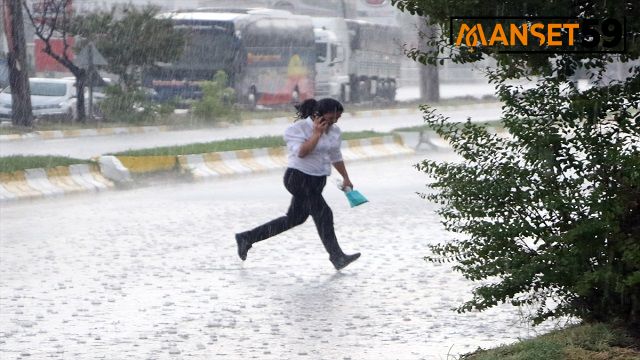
87, 147
152, 273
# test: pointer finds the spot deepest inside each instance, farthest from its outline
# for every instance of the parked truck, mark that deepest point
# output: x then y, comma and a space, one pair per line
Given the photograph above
356, 60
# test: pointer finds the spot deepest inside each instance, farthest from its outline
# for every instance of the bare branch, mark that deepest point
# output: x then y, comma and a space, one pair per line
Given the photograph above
46, 28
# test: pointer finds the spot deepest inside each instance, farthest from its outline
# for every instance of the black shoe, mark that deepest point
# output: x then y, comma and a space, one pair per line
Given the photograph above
243, 247
343, 260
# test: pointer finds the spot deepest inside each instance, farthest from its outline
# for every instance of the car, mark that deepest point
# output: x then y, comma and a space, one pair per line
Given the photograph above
50, 98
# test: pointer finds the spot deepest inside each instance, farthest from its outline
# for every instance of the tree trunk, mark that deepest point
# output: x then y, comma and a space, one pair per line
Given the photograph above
81, 80
22, 114
429, 80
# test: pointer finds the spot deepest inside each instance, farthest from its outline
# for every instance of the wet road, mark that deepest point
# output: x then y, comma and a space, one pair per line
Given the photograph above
152, 273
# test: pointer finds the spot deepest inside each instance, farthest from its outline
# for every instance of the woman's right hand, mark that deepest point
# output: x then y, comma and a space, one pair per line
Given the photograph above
320, 125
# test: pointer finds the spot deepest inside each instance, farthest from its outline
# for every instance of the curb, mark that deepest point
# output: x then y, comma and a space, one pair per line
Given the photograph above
58, 181
63, 134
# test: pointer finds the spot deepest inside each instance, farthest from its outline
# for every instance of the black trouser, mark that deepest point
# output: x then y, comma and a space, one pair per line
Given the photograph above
307, 200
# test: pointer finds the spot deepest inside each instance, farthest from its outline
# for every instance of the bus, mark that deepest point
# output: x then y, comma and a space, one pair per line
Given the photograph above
268, 55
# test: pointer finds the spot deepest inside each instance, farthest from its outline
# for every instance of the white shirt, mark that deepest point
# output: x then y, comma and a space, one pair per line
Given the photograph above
327, 151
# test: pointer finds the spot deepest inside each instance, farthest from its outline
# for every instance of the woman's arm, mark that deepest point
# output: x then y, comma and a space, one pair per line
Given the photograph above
308, 146
342, 169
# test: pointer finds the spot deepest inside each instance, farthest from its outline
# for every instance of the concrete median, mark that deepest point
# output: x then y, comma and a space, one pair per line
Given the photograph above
57, 181
121, 170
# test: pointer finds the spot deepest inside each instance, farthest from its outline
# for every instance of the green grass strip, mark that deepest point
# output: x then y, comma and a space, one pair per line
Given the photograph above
584, 342
231, 145
16, 163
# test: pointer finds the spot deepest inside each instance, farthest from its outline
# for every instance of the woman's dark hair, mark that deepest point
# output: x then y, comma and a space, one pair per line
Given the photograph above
311, 107
305, 108
328, 105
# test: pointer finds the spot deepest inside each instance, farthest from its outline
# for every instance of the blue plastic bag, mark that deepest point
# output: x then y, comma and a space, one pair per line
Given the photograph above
354, 197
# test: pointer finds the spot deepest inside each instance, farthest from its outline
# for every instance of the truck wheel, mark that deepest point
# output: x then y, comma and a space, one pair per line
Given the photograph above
344, 95
392, 90
368, 95
363, 90
383, 90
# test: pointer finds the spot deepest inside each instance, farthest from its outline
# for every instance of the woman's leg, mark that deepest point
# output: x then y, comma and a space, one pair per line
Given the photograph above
298, 211
323, 218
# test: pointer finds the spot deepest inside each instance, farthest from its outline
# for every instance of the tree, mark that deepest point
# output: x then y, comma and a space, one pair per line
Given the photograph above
550, 216
131, 39
22, 114
51, 19
217, 99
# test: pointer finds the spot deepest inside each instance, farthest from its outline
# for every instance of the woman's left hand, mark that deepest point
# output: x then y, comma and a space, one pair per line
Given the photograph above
347, 183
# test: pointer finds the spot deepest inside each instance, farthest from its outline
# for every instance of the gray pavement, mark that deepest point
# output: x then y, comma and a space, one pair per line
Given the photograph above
87, 147
152, 273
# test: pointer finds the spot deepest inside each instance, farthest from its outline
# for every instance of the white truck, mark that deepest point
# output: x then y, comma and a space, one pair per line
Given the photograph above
356, 60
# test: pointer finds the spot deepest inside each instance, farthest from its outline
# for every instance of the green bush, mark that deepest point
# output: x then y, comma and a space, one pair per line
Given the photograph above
132, 106
548, 218
218, 100
166, 109
551, 215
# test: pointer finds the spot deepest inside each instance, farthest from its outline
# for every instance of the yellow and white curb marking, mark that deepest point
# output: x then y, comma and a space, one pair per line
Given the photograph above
61, 180
211, 165
232, 162
148, 164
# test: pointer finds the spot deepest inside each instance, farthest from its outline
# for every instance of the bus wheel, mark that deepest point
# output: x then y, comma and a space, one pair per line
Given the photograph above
252, 98
295, 96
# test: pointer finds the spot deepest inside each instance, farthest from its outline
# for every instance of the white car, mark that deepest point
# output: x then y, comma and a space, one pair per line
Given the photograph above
50, 98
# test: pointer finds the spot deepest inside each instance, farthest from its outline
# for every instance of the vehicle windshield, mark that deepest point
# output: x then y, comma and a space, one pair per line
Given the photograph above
321, 52
44, 89
48, 89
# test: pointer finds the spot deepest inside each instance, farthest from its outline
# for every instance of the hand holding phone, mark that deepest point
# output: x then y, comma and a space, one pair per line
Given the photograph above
320, 124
